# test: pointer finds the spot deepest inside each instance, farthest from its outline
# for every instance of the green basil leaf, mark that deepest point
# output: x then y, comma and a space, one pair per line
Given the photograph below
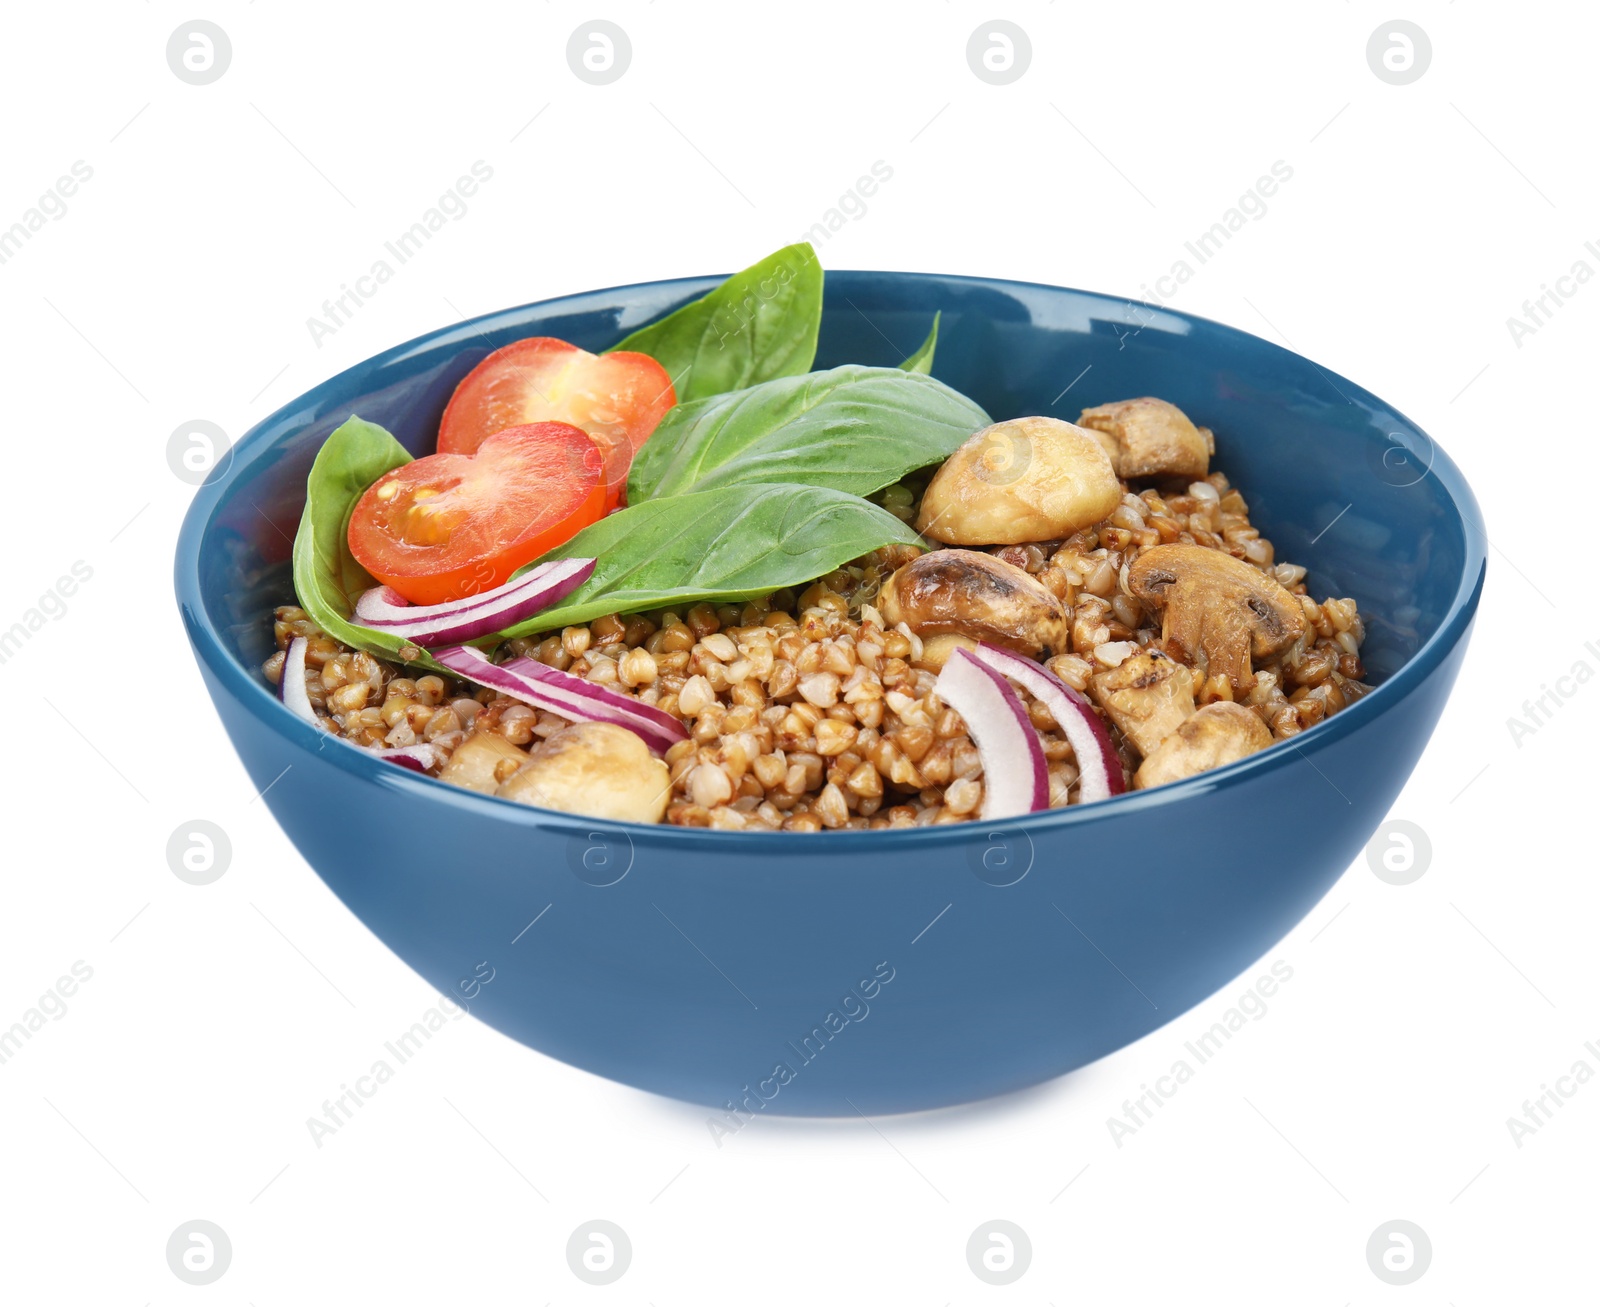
759, 324
327, 579
721, 545
922, 360
854, 428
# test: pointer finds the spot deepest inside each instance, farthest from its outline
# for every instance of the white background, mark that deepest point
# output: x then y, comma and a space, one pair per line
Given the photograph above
178, 285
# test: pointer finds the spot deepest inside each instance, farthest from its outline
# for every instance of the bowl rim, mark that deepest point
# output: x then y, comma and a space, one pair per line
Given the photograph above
254, 695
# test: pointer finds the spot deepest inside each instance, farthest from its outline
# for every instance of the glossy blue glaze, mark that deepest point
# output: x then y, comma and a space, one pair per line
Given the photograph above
715, 955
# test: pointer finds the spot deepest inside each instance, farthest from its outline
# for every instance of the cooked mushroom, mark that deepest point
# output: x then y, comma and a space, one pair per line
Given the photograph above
1216, 607
960, 592
482, 761
1149, 438
1219, 733
936, 650
1148, 696
1019, 481
596, 769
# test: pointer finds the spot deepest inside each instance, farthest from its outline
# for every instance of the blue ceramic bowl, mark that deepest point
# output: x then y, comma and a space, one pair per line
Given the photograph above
875, 970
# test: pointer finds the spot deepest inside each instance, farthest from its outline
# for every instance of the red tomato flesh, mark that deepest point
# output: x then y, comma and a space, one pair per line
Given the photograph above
617, 398
452, 525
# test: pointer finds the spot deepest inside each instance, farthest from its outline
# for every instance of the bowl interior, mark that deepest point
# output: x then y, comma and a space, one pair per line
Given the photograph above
1340, 482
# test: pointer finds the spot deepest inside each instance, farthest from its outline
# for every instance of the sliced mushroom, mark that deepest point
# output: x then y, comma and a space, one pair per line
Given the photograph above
960, 592
482, 761
1219, 733
1148, 696
596, 769
1027, 479
1216, 608
1149, 438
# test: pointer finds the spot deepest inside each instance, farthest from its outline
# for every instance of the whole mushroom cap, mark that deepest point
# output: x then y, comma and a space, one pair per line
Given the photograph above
1031, 478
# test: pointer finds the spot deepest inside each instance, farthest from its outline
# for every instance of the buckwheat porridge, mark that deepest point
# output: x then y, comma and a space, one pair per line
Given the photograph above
1050, 613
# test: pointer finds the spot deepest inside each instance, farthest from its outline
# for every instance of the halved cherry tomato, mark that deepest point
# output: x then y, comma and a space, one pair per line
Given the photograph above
451, 525
617, 398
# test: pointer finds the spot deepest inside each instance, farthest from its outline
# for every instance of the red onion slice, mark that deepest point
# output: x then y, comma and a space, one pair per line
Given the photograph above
383, 605
292, 681
413, 757
659, 724
459, 620
562, 692
1015, 779
1099, 768
292, 690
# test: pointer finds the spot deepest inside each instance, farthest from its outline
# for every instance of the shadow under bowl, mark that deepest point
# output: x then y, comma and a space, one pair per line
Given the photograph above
881, 971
